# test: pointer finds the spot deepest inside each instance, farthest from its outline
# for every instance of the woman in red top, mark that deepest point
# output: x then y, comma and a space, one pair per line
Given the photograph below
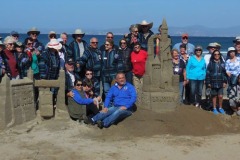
138, 59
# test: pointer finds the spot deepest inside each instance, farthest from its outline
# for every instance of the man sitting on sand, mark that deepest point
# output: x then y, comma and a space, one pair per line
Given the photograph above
123, 95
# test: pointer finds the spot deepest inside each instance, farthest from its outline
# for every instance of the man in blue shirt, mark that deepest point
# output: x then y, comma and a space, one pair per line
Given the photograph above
118, 103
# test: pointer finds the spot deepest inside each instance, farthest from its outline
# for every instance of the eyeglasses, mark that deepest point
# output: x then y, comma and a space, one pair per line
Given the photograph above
110, 37
88, 74
123, 42
10, 44
34, 33
95, 42
15, 35
79, 84
184, 37
107, 44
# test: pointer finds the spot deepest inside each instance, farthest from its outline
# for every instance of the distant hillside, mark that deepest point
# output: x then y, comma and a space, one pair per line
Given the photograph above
196, 30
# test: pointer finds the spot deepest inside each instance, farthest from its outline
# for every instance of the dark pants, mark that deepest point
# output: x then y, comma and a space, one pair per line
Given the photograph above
187, 93
92, 110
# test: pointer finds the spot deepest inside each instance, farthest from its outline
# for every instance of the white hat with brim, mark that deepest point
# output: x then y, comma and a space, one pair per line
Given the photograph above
145, 23
231, 49
212, 45
9, 39
33, 29
78, 31
54, 44
237, 39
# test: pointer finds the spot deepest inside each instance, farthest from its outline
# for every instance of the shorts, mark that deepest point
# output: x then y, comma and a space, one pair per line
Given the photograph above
216, 91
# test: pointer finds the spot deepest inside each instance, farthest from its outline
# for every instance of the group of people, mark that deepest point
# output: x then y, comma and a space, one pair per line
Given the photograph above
212, 69
119, 68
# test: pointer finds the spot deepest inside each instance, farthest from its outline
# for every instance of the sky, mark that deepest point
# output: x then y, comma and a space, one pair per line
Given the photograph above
105, 14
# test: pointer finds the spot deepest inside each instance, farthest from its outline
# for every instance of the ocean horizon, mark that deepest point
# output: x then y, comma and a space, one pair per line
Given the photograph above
225, 42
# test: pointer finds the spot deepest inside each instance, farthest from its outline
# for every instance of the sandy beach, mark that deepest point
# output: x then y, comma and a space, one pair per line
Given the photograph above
188, 133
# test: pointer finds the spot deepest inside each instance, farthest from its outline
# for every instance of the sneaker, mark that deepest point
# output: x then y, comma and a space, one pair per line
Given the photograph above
215, 111
100, 124
197, 105
88, 120
221, 111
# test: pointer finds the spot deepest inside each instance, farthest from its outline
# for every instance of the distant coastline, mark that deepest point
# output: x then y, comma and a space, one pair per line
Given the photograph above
193, 31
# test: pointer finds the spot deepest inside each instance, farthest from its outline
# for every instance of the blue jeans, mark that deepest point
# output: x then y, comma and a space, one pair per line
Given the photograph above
113, 115
196, 91
181, 89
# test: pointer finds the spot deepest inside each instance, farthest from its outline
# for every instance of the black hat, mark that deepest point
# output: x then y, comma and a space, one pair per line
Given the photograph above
70, 61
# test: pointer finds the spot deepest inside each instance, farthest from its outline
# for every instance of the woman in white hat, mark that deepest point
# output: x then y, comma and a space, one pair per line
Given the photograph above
145, 33
49, 64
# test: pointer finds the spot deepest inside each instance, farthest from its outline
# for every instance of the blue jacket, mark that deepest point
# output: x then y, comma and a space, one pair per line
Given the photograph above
24, 63
92, 58
126, 96
49, 65
109, 65
196, 70
81, 100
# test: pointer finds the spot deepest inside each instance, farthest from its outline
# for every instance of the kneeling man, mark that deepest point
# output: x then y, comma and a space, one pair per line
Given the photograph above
118, 103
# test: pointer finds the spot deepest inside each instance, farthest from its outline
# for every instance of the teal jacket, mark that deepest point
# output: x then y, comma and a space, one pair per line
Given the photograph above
196, 70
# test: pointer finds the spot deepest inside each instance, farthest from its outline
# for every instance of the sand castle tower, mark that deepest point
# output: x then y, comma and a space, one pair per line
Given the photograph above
160, 90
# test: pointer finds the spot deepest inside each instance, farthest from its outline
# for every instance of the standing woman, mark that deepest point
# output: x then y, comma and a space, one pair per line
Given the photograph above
196, 74
179, 68
125, 56
232, 66
216, 80
138, 59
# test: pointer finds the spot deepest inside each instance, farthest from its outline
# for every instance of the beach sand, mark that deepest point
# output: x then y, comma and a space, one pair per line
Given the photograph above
187, 133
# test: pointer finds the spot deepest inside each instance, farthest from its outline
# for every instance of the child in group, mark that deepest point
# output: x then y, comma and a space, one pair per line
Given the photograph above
216, 79
234, 97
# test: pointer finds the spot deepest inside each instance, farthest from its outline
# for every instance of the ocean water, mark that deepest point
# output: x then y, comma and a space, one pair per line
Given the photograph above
203, 41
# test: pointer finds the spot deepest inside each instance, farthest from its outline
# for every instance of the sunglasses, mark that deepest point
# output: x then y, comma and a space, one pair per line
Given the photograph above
10, 44
136, 47
110, 37
29, 44
184, 37
15, 35
216, 54
123, 42
88, 74
79, 84
198, 50
107, 44
33, 33
95, 42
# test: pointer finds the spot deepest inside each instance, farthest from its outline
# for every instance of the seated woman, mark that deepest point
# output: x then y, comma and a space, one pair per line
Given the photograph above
234, 97
78, 101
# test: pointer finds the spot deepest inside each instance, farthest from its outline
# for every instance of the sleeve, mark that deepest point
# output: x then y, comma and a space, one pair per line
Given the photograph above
208, 74
133, 95
96, 88
232, 94
109, 97
78, 99
43, 66
188, 68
